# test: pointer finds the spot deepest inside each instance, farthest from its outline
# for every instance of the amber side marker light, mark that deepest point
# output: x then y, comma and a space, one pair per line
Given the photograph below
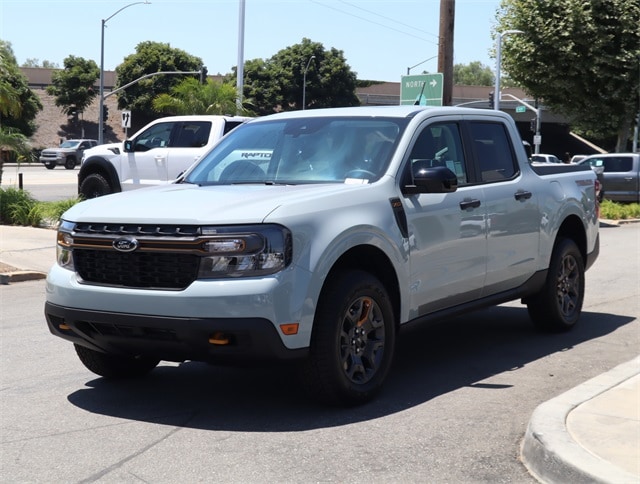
64, 327
219, 338
289, 328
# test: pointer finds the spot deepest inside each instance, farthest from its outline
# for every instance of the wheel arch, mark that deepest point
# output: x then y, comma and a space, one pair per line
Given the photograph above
103, 167
573, 228
374, 261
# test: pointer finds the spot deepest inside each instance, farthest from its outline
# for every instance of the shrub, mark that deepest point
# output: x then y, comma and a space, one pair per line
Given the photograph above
619, 211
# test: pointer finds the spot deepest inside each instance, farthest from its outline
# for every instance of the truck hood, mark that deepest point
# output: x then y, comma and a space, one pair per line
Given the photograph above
109, 149
194, 205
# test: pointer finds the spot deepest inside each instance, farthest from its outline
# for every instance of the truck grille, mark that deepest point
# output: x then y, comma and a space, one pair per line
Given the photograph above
168, 257
138, 269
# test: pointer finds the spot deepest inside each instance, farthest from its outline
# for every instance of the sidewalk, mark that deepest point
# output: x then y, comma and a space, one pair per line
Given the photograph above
590, 434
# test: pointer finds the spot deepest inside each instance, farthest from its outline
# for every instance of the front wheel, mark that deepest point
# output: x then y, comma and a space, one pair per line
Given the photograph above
558, 305
50, 165
353, 340
113, 366
95, 185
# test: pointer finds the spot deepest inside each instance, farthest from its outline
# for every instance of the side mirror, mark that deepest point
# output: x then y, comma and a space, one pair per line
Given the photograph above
436, 179
128, 146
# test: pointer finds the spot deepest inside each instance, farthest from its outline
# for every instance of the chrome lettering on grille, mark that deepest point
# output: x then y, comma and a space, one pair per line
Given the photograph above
125, 244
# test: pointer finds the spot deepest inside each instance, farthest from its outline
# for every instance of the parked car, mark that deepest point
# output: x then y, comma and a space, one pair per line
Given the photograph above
540, 158
68, 154
618, 173
577, 158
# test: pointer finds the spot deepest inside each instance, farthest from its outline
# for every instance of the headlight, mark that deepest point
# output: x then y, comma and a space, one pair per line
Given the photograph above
59, 156
245, 251
64, 253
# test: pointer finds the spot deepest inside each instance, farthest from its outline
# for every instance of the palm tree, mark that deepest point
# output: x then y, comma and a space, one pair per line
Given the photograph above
192, 97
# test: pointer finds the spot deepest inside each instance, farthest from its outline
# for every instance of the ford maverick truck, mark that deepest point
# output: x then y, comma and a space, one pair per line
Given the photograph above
314, 237
155, 155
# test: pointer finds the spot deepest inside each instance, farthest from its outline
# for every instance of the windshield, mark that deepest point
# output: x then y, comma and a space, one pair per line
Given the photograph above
69, 144
302, 150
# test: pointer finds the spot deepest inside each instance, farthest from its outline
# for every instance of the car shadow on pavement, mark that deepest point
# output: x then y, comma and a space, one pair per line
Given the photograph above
430, 361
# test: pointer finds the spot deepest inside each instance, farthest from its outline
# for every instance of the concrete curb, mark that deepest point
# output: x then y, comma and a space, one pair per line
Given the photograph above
20, 276
548, 449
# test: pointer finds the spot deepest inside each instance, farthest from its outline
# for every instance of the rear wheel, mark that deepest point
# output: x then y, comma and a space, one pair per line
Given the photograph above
113, 366
558, 305
70, 163
95, 185
353, 341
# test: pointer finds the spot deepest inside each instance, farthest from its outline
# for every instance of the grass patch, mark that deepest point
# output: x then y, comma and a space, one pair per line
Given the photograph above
619, 211
18, 207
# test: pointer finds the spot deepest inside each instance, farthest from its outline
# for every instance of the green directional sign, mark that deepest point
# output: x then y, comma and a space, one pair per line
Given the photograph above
521, 109
421, 89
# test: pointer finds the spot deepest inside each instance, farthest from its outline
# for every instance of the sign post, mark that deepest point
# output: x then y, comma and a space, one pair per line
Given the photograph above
422, 89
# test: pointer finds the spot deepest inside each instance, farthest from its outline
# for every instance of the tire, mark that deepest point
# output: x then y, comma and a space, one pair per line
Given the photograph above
50, 165
353, 341
94, 185
112, 366
558, 305
70, 163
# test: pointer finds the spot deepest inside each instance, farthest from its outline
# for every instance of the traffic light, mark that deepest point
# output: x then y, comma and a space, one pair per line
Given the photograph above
203, 75
533, 125
491, 100
105, 113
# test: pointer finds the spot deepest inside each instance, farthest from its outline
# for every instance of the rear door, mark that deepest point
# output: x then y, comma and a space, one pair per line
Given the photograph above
188, 144
620, 179
511, 205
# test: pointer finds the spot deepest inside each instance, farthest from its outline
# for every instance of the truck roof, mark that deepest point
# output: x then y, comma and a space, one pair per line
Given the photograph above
403, 111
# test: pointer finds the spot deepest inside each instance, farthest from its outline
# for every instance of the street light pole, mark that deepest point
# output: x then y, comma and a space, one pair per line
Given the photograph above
304, 82
101, 100
420, 63
496, 93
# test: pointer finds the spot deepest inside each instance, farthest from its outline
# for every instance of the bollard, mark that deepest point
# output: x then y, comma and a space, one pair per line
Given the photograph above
19, 181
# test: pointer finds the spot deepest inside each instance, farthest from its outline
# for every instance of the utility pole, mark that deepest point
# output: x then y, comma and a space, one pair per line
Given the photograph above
445, 49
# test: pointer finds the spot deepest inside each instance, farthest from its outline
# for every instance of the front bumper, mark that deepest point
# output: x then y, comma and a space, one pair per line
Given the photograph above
230, 340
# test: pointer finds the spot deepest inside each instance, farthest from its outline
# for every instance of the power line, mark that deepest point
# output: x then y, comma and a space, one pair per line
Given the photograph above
373, 22
387, 18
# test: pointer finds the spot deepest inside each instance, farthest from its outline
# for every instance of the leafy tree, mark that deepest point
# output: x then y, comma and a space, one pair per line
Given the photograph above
19, 106
73, 86
151, 57
473, 74
32, 62
579, 57
192, 97
277, 83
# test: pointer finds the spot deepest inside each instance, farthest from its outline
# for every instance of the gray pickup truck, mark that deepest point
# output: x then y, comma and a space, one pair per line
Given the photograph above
619, 174
68, 154
315, 237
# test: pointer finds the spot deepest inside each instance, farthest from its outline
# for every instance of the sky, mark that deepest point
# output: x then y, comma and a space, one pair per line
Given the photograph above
379, 39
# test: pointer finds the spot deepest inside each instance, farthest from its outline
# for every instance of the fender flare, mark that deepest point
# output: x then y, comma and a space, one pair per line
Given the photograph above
97, 164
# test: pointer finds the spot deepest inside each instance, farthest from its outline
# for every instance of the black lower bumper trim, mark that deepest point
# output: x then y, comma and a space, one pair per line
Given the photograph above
237, 340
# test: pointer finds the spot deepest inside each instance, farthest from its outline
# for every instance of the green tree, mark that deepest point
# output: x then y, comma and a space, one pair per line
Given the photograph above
16, 94
473, 74
192, 97
18, 106
45, 64
579, 57
73, 86
277, 83
151, 57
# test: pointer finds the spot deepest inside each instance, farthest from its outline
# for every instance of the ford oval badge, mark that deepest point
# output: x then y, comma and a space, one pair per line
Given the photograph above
125, 244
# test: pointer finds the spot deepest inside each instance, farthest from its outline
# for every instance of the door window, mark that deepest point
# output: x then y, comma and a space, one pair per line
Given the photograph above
439, 145
492, 150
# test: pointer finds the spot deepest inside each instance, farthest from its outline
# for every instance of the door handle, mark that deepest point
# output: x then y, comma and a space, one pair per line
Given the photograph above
523, 195
469, 203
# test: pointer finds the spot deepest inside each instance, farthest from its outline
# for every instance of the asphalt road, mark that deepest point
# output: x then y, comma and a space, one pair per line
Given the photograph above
455, 408
43, 185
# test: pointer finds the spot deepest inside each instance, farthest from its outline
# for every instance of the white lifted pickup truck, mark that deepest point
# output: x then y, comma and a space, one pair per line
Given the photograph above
155, 155
315, 236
